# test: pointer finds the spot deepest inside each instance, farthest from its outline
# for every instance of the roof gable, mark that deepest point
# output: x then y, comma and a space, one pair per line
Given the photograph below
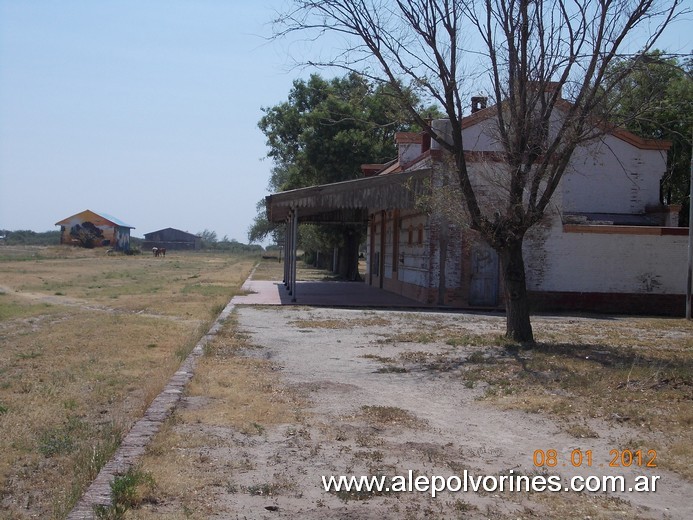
172, 230
564, 105
91, 216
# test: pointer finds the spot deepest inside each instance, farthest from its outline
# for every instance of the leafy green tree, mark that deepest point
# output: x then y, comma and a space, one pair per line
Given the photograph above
262, 228
655, 101
323, 133
209, 238
28, 237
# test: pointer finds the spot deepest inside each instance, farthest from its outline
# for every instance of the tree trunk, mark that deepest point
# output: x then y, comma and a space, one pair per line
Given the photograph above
518, 324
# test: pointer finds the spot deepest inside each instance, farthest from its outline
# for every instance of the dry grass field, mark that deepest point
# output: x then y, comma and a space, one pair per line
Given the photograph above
87, 341
283, 395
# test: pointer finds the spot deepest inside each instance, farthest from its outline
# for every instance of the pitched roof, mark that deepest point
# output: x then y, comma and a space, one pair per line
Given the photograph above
88, 214
564, 105
179, 231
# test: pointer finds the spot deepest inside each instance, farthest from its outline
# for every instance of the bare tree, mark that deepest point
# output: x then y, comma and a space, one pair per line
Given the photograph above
531, 53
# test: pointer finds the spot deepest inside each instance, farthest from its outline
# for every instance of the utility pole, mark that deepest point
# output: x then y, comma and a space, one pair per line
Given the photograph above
689, 281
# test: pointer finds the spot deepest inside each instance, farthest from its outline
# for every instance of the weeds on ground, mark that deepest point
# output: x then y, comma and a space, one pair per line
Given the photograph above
362, 493
279, 485
634, 371
423, 336
232, 390
128, 491
648, 388
321, 324
391, 416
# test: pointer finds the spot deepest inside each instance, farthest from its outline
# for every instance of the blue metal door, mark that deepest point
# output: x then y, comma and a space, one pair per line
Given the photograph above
483, 290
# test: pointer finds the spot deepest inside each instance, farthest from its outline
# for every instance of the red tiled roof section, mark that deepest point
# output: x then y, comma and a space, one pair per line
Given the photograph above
369, 170
620, 133
392, 168
478, 116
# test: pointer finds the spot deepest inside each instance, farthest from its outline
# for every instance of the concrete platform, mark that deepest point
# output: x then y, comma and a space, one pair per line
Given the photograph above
324, 294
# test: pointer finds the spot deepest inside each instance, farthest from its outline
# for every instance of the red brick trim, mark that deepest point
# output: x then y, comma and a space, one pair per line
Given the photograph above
613, 303
625, 230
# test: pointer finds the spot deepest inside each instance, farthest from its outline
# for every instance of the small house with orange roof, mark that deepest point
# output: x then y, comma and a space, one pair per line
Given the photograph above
91, 229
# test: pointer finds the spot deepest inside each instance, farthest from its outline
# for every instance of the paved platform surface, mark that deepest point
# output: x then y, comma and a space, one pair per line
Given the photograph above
323, 294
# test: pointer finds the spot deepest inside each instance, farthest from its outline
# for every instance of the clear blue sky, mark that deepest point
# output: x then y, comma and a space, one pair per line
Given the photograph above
145, 110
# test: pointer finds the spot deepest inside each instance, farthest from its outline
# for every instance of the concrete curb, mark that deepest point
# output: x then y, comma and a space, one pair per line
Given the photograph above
144, 430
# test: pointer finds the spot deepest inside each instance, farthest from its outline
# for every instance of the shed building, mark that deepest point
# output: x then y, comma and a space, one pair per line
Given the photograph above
171, 238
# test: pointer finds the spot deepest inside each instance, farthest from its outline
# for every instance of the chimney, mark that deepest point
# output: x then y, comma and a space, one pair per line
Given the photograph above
442, 128
478, 103
409, 145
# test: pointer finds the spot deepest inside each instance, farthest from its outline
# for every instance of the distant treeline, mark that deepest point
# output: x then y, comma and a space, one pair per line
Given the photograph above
52, 238
232, 246
26, 237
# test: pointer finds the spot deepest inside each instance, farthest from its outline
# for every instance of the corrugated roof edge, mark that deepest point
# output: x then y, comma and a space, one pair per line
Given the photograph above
114, 220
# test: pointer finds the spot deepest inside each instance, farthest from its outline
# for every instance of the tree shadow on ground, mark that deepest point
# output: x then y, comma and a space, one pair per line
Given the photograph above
673, 369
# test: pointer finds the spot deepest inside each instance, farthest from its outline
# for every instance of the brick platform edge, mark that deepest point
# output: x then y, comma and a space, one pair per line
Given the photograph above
143, 431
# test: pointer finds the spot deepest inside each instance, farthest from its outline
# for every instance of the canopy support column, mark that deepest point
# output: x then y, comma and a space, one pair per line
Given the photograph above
294, 252
287, 258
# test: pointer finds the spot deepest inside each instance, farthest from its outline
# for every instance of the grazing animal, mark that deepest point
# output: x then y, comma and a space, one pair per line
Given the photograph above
155, 251
162, 251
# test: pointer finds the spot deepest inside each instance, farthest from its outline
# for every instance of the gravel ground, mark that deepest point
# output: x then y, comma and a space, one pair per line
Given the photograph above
367, 419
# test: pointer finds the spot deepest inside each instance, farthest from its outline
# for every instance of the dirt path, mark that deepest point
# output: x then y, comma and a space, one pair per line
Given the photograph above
367, 420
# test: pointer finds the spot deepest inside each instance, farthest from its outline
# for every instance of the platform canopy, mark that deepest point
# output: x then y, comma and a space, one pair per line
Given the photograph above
349, 201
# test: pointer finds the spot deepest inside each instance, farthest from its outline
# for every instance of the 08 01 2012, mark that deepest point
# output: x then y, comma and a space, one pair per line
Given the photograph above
577, 458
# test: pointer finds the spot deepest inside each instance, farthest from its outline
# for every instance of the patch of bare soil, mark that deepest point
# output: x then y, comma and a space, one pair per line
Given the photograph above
385, 398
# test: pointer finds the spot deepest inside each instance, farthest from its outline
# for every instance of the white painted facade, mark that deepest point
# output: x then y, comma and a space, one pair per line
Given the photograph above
609, 176
620, 261
577, 250
612, 176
